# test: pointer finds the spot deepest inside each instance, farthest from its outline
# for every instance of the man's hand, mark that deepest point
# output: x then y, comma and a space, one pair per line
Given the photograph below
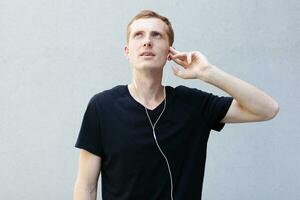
249, 104
194, 64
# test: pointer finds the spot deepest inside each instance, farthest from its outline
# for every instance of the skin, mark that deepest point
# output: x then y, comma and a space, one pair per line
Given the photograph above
86, 183
148, 35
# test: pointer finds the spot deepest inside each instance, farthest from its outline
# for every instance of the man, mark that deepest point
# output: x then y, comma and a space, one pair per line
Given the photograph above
148, 140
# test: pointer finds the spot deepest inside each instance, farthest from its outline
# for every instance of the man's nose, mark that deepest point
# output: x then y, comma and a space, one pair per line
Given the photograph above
147, 42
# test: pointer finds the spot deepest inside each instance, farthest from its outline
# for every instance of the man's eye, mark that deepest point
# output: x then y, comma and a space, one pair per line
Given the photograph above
137, 34
157, 34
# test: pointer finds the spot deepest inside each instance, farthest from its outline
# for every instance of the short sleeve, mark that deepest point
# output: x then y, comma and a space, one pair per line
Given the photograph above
89, 137
212, 108
216, 108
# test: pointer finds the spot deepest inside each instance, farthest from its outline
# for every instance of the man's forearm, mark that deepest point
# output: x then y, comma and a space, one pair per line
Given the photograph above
248, 96
83, 192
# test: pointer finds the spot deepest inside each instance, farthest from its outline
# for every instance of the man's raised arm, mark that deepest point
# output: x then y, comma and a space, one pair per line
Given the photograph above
249, 104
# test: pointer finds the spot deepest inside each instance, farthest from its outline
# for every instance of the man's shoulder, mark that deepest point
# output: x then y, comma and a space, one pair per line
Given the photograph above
183, 90
109, 94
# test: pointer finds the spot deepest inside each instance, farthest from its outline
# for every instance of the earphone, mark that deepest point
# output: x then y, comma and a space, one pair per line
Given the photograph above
154, 134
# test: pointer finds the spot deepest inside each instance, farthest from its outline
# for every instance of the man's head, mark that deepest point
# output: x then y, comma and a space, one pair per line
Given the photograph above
148, 32
144, 14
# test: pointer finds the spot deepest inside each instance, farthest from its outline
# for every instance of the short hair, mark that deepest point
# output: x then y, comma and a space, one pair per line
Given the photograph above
152, 14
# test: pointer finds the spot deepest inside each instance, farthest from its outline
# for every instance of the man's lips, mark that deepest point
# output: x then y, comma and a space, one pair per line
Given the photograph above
147, 54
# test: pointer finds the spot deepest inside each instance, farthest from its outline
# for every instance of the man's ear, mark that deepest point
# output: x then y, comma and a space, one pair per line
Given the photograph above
169, 55
126, 52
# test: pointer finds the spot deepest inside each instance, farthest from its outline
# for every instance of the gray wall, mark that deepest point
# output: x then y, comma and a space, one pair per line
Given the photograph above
54, 55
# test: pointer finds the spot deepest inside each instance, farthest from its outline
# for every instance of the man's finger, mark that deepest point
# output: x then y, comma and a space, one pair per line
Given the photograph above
189, 58
179, 62
172, 50
176, 71
181, 56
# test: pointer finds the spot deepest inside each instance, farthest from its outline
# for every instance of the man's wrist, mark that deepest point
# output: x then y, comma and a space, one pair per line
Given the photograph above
209, 73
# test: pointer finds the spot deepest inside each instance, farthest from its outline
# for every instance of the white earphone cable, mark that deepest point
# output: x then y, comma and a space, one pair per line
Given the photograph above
154, 135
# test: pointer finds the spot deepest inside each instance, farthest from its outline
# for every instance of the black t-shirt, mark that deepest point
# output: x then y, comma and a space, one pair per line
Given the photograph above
115, 127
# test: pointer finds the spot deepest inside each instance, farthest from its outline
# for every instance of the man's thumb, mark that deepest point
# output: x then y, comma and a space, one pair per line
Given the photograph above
176, 71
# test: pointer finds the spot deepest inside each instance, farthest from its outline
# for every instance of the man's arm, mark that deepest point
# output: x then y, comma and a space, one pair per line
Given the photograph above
249, 105
86, 184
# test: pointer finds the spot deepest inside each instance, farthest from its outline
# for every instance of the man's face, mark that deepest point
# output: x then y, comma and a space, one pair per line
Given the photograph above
148, 44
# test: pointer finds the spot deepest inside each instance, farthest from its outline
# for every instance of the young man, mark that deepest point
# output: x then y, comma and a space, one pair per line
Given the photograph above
149, 140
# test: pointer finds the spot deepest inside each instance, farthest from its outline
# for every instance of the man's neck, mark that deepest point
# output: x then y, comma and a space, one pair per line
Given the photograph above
147, 88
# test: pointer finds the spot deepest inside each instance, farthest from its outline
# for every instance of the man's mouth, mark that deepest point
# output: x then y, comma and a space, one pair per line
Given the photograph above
147, 54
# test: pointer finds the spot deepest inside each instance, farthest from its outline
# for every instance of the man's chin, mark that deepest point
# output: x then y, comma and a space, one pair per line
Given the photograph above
150, 64
145, 66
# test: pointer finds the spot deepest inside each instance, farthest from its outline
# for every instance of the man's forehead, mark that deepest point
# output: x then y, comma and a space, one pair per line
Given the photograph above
148, 24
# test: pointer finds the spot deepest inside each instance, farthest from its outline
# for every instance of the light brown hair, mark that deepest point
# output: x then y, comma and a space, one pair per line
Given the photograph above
152, 14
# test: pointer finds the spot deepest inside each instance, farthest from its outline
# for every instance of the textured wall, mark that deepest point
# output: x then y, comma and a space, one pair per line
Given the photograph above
54, 55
